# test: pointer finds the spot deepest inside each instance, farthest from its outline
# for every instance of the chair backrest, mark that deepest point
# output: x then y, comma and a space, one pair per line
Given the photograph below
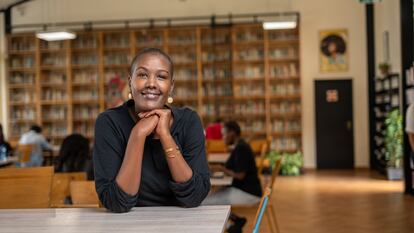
25, 187
24, 152
14, 143
261, 210
84, 193
260, 162
275, 172
216, 146
61, 186
257, 146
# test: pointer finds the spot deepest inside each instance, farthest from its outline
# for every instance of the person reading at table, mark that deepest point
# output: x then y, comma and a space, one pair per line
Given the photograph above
75, 156
35, 137
145, 152
241, 165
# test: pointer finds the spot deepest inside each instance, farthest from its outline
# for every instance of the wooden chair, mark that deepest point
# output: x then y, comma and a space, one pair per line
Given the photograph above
261, 161
25, 187
24, 152
257, 146
261, 210
83, 194
61, 186
216, 146
270, 211
14, 143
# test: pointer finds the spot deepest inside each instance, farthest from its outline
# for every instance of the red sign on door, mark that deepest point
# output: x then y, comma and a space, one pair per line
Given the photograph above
332, 96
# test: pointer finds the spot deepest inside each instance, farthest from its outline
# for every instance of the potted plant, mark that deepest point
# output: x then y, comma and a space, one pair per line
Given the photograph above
384, 68
292, 162
393, 144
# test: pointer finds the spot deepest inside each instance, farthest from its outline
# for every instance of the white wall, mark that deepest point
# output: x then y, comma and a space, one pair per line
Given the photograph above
315, 15
387, 18
318, 15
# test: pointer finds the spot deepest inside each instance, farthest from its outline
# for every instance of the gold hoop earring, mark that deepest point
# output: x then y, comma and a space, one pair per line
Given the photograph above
130, 95
170, 100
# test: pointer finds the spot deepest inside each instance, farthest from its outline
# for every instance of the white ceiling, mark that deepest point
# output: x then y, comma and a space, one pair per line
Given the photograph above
5, 3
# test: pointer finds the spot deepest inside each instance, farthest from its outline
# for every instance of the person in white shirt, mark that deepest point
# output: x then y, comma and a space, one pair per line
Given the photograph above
34, 137
409, 129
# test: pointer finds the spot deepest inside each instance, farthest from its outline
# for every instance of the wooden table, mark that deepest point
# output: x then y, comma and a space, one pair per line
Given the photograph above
218, 157
222, 181
203, 219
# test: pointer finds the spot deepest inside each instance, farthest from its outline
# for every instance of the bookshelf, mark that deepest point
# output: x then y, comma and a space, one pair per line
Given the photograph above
239, 72
387, 98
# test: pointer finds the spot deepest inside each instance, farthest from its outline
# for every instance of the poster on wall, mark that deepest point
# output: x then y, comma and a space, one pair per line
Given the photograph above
333, 51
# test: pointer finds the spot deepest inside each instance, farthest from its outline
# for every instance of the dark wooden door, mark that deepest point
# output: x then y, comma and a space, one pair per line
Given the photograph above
334, 124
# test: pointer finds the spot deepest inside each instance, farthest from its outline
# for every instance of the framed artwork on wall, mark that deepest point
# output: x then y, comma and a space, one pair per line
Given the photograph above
333, 50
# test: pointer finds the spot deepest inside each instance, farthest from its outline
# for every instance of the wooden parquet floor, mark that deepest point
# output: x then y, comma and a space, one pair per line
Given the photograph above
356, 201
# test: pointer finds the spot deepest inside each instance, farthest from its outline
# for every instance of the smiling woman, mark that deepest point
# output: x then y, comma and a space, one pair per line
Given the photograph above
147, 153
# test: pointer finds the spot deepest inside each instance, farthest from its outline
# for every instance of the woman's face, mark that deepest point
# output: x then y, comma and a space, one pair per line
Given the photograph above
151, 82
332, 47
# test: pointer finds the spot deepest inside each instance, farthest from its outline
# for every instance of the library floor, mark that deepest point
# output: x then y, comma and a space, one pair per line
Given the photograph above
357, 201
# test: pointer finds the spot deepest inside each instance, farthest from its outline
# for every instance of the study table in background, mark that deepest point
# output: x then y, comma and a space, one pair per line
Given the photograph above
203, 219
218, 157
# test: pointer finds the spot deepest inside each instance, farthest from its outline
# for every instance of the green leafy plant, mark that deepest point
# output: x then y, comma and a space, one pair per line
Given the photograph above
384, 68
291, 164
393, 139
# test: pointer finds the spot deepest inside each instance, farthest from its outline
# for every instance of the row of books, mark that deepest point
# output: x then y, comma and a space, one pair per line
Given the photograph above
55, 129
285, 107
24, 113
22, 96
54, 60
54, 113
52, 94
22, 62
250, 107
285, 126
21, 78
53, 78
284, 89
90, 94
85, 59
211, 56
22, 45
85, 112
86, 77
211, 89
285, 144
118, 58
285, 70
249, 89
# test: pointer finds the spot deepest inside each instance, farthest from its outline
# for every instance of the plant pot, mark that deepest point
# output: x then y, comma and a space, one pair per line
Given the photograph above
394, 173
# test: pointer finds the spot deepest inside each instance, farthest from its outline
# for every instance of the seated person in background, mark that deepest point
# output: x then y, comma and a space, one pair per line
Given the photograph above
75, 156
213, 130
4, 144
34, 137
147, 153
241, 165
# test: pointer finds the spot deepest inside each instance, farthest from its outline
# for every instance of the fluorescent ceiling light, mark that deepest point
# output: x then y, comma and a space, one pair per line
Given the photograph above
279, 25
56, 35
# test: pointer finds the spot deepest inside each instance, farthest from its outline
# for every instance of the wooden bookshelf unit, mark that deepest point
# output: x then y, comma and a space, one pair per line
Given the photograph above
239, 72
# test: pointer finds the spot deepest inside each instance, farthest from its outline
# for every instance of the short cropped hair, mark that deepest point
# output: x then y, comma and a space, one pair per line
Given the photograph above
36, 128
233, 126
150, 51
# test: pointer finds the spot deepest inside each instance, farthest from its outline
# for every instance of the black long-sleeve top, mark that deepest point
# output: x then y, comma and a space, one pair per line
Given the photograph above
112, 130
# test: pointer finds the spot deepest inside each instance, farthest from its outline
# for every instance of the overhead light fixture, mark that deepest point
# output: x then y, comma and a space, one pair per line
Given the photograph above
279, 25
56, 35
